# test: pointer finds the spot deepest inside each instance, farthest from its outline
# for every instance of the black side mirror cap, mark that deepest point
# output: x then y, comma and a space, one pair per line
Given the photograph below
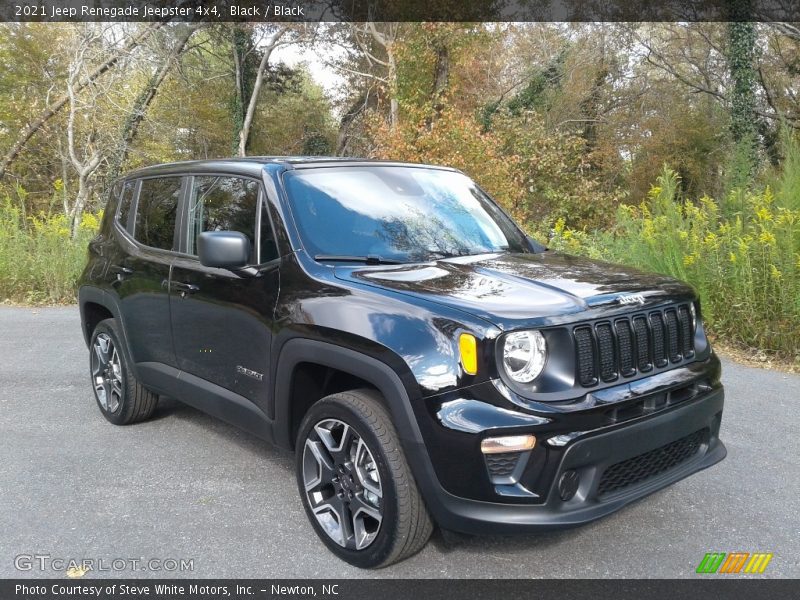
223, 249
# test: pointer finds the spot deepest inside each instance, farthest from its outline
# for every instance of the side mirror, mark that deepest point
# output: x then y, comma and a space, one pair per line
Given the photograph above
223, 249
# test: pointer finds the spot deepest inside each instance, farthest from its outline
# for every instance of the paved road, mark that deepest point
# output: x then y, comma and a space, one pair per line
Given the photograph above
187, 486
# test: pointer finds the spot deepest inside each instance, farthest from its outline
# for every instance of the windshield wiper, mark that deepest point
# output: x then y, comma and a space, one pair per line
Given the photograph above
371, 259
444, 255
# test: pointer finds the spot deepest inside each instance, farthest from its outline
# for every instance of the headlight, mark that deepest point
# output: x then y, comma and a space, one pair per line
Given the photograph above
524, 354
693, 312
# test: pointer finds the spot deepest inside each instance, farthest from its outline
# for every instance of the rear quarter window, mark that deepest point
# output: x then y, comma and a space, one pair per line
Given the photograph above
125, 203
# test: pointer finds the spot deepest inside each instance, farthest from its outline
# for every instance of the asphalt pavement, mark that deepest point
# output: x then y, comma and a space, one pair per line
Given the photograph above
185, 486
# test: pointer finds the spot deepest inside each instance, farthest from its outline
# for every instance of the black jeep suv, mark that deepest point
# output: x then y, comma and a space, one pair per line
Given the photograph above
427, 361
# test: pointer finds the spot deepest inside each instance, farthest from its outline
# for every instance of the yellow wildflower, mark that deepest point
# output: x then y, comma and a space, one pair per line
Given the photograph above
767, 238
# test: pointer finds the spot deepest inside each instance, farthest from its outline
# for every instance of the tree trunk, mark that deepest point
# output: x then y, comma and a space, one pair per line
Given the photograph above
441, 77
363, 102
28, 132
744, 119
80, 202
244, 134
394, 105
239, 47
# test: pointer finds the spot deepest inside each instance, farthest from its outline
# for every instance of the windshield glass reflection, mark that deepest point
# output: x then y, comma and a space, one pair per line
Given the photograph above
405, 214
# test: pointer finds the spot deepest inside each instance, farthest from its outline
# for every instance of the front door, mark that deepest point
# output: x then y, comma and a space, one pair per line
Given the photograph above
221, 321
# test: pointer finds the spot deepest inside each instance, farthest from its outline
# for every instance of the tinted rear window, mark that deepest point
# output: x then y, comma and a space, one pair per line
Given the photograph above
156, 211
125, 201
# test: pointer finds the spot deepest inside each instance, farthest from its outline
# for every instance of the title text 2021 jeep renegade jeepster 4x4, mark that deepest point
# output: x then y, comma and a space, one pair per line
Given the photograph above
428, 362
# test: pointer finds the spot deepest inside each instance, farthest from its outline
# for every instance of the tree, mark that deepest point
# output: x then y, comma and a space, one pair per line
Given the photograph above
744, 119
145, 97
86, 153
88, 79
273, 40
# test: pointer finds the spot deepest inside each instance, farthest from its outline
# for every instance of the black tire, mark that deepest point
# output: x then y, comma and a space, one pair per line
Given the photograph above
128, 401
406, 525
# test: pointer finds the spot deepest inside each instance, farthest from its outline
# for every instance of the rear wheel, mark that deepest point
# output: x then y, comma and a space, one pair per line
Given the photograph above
355, 483
120, 397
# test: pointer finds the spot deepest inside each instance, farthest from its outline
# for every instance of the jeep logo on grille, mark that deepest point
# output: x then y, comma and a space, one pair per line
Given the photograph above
631, 299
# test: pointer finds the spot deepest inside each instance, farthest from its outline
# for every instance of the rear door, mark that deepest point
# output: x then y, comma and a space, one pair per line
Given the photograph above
146, 227
221, 320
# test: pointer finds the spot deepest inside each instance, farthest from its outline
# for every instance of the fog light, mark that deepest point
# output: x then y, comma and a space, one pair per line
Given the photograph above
568, 485
508, 443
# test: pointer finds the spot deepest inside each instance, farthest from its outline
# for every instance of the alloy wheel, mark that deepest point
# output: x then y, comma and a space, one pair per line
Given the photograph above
106, 373
342, 484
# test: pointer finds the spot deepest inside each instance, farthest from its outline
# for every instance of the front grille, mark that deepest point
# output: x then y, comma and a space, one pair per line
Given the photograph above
637, 469
623, 347
501, 464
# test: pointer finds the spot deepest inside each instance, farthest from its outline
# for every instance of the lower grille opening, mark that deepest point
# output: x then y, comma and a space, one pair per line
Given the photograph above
655, 402
639, 468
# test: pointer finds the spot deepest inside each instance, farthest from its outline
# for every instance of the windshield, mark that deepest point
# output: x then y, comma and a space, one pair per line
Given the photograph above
403, 214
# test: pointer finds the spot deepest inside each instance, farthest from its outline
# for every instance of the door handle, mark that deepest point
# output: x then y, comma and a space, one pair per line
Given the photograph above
185, 288
121, 271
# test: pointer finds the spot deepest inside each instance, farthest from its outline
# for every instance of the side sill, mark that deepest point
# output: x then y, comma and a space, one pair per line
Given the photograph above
207, 397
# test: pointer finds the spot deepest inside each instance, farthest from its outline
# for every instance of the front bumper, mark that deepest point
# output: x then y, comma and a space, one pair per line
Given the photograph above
635, 449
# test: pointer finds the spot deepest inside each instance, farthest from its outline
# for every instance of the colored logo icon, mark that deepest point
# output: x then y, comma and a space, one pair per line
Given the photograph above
734, 562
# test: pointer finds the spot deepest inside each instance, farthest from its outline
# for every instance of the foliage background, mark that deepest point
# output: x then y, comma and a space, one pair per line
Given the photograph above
668, 146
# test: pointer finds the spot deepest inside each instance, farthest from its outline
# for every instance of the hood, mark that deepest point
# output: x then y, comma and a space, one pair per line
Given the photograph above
505, 289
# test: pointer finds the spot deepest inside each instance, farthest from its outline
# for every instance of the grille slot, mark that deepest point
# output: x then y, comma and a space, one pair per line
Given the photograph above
584, 345
673, 344
625, 340
685, 320
631, 345
639, 468
605, 348
642, 343
659, 352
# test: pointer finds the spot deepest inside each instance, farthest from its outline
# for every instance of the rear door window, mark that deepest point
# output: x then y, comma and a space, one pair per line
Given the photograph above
156, 212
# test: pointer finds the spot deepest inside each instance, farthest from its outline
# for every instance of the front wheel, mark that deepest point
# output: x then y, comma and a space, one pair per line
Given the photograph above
355, 483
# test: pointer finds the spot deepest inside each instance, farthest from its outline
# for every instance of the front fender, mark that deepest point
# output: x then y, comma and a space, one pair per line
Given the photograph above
411, 334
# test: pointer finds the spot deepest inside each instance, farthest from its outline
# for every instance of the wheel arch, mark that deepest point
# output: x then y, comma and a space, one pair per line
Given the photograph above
95, 305
372, 372
380, 376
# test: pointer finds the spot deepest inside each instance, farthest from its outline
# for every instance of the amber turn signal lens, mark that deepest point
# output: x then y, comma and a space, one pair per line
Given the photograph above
508, 443
468, 349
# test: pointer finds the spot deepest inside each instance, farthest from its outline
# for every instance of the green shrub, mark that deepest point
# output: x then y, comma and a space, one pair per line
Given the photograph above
39, 262
745, 267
